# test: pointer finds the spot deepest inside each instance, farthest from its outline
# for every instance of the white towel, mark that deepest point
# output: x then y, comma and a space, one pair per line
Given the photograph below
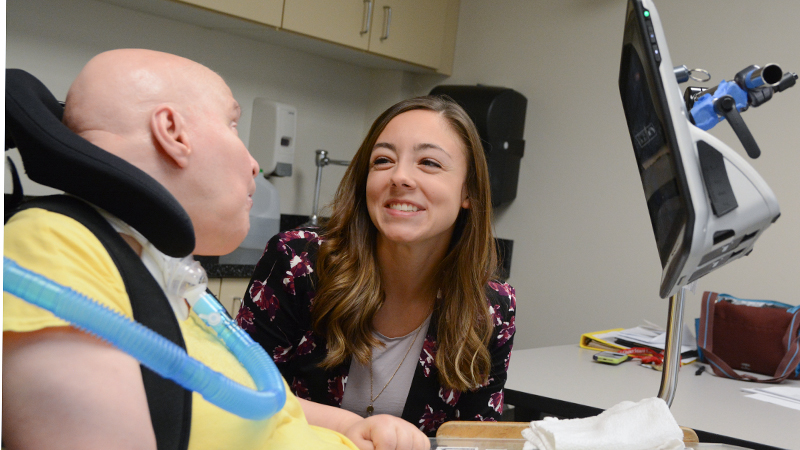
644, 425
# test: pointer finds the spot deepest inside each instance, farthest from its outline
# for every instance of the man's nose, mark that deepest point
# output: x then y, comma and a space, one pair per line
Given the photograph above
254, 165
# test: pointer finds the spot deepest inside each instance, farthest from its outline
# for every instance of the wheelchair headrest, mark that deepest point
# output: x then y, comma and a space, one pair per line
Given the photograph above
55, 156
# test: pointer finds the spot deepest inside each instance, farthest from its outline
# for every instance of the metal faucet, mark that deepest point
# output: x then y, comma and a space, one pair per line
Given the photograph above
322, 160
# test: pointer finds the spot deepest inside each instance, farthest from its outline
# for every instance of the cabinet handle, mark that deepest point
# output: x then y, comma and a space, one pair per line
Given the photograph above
387, 21
236, 304
367, 17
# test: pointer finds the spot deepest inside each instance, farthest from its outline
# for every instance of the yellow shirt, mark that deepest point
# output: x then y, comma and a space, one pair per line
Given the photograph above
63, 250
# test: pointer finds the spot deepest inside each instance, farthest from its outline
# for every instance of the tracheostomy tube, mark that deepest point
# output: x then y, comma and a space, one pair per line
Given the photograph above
156, 352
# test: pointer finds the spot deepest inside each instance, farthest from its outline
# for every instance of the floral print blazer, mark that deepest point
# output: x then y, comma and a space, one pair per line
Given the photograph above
276, 312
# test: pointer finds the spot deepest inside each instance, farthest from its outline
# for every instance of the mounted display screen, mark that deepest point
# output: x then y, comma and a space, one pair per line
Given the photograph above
707, 205
653, 137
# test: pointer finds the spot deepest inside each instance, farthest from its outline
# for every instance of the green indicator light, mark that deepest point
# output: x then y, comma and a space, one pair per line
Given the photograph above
647, 13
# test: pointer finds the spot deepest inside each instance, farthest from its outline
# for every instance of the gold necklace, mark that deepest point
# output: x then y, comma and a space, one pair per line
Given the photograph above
372, 399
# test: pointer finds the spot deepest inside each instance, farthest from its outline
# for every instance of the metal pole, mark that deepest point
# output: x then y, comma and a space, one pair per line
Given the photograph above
322, 156
322, 160
672, 349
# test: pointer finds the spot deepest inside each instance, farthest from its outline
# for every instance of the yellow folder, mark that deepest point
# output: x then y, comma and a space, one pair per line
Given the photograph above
597, 341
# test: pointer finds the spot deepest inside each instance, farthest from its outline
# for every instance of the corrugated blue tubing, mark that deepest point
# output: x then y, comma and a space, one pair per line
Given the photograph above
156, 352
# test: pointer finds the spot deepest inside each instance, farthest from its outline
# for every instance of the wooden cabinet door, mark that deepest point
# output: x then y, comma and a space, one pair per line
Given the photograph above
346, 22
213, 286
231, 292
409, 30
268, 12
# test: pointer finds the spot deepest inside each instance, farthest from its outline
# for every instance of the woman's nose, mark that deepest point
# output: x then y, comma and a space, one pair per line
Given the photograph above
402, 176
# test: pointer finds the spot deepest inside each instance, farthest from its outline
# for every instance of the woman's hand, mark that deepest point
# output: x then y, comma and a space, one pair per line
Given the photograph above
381, 432
385, 432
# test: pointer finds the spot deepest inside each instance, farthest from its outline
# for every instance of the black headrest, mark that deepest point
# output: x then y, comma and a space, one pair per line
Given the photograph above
55, 156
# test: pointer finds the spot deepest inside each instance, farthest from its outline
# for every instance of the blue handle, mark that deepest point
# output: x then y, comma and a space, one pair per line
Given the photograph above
703, 112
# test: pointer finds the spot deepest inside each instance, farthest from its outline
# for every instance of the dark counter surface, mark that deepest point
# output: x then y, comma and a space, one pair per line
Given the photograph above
216, 270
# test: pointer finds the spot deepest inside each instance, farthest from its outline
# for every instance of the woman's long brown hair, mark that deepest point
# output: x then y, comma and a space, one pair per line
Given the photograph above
350, 291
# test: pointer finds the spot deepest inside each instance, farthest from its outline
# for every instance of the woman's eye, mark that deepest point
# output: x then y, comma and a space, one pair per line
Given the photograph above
380, 160
431, 163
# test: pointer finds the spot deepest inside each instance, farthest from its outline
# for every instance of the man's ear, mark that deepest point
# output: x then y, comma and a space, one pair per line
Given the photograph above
169, 131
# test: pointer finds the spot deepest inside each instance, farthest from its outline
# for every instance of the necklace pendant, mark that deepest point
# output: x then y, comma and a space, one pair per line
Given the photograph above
370, 410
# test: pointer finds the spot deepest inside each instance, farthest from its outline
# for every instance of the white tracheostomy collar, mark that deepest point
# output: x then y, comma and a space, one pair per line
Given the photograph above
154, 260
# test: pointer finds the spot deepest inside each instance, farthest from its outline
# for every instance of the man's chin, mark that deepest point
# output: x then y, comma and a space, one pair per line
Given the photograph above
220, 248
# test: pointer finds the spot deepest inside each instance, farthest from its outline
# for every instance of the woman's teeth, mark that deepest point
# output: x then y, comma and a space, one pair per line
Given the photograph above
403, 207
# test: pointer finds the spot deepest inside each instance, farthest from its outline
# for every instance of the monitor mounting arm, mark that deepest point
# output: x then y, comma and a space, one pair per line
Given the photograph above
752, 86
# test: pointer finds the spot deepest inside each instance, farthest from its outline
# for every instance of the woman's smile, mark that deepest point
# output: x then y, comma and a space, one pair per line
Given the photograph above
404, 207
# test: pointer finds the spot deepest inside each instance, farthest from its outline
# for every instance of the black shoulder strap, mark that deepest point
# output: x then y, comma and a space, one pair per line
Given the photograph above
170, 404
12, 200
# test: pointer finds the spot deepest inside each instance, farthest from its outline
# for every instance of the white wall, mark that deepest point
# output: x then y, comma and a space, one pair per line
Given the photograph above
584, 254
335, 101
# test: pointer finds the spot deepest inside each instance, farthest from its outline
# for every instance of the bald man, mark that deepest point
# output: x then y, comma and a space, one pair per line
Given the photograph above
176, 120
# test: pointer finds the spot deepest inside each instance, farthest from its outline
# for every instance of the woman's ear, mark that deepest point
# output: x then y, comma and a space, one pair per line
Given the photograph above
169, 131
464, 198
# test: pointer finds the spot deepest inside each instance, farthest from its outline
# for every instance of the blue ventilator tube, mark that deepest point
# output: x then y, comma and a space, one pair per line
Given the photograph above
156, 352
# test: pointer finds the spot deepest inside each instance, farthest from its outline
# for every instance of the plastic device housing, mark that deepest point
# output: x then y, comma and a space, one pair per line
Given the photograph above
273, 132
707, 205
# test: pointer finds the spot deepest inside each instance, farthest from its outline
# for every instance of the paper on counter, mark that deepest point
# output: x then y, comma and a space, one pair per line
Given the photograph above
656, 338
786, 396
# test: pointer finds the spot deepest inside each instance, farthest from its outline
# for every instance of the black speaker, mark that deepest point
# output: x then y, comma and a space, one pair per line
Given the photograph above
499, 115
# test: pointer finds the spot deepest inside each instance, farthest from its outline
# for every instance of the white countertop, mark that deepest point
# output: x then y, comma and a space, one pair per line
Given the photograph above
705, 402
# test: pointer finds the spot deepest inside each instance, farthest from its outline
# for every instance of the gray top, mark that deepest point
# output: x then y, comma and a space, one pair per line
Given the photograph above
385, 360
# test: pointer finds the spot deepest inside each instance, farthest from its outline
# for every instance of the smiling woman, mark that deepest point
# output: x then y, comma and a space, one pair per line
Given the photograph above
391, 307
415, 186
